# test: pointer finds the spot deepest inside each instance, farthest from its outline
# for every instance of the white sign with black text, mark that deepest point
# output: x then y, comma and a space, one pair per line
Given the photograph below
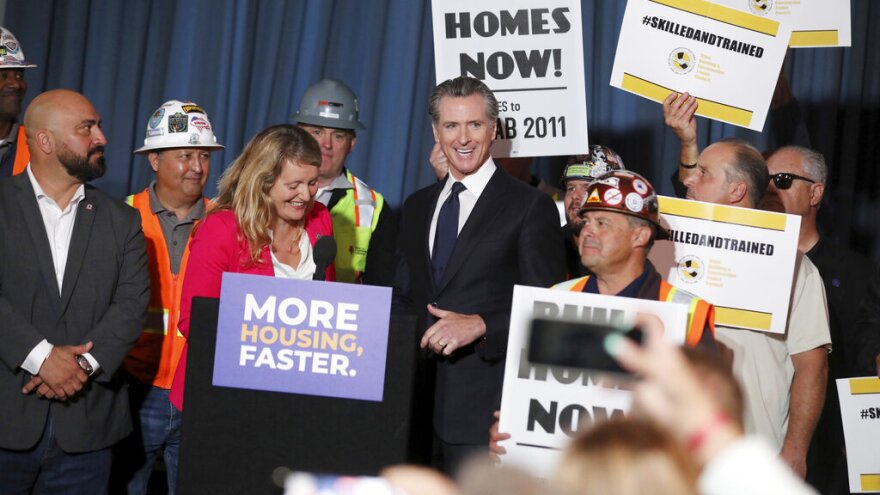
814, 23
741, 260
727, 58
543, 407
531, 56
860, 411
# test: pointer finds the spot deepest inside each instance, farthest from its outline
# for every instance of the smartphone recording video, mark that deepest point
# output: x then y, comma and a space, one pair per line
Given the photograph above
575, 344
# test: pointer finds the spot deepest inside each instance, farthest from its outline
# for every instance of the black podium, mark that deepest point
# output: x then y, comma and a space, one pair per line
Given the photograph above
233, 439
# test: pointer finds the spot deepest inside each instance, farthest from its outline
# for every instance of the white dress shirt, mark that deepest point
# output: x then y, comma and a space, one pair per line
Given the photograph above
467, 199
324, 193
59, 230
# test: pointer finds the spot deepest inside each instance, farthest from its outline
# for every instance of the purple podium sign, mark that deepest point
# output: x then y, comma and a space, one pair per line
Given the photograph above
301, 336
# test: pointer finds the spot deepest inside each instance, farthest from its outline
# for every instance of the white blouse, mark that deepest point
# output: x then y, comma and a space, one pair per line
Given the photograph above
306, 268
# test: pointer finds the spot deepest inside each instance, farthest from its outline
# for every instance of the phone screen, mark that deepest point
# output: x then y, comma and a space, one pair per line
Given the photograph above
574, 344
302, 483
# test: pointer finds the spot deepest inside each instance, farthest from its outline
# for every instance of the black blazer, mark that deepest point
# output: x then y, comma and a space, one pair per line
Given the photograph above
511, 237
106, 289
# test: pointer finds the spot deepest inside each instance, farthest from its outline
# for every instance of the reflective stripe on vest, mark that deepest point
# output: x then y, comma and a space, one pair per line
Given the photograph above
355, 217
157, 321
364, 202
22, 153
699, 311
573, 285
154, 357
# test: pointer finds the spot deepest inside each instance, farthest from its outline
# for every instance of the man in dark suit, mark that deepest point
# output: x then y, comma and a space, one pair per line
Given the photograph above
74, 289
464, 242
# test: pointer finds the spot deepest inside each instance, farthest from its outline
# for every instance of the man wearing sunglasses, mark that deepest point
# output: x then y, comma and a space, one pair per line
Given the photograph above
784, 377
796, 187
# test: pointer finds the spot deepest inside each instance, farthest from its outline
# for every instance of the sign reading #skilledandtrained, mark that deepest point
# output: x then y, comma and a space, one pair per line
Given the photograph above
814, 23
727, 58
860, 411
305, 337
543, 407
739, 259
531, 56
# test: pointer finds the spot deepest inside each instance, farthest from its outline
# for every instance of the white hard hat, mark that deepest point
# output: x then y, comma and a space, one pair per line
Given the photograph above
11, 54
179, 124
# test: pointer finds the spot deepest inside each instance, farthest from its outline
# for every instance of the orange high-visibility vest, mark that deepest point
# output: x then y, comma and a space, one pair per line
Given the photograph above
22, 153
701, 314
154, 358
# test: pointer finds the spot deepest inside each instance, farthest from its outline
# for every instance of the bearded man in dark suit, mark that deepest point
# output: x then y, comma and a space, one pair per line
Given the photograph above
74, 289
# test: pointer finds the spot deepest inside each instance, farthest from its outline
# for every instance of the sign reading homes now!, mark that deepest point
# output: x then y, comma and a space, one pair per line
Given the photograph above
531, 55
304, 337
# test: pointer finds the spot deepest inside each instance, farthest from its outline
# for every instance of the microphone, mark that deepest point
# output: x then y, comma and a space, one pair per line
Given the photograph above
324, 253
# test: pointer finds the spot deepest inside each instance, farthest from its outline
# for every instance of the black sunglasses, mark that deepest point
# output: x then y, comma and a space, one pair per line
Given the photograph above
783, 180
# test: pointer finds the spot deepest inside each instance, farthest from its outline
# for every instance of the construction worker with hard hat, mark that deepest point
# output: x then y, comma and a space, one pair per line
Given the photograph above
363, 224
178, 145
620, 224
14, 155
580, 172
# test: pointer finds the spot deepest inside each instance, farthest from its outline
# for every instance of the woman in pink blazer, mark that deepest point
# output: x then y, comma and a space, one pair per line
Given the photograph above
265, 222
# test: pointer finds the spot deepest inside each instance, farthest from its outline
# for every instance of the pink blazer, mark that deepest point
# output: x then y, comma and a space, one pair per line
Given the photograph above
216, 247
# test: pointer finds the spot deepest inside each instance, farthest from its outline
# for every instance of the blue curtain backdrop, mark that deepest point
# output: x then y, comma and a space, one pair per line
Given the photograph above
248, 62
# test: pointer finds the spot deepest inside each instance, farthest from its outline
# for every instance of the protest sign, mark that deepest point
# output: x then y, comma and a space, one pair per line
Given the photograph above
813, 23
531, 56
299, 336
860, 411
728, 59
739, 259
543, 407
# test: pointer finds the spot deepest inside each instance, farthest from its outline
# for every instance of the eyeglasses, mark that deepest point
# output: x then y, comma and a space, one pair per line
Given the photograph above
783, 180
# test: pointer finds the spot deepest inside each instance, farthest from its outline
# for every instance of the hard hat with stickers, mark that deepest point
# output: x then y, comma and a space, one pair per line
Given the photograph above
624, 191
11, 54
179, 124
600, 161
329, 103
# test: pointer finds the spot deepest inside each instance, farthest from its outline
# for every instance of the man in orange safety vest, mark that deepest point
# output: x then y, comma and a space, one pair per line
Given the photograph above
178, 145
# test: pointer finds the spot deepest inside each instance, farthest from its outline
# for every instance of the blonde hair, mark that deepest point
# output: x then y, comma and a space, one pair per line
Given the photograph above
244, 186
718, 380
626, 457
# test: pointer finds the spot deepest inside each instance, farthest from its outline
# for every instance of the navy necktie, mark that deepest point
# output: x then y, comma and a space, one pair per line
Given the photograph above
446, 233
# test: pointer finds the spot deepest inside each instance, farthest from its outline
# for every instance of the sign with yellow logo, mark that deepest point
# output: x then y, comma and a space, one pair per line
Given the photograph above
860, 411
728, 58
739, 259
814, 23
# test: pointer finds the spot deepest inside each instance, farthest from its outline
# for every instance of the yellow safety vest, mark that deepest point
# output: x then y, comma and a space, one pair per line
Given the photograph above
355, 217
